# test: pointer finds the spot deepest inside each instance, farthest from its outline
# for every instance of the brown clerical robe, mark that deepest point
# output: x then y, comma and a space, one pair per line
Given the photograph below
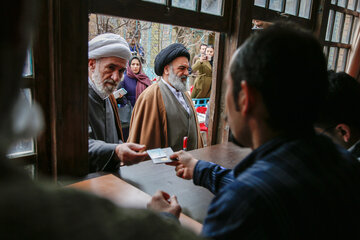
149, 124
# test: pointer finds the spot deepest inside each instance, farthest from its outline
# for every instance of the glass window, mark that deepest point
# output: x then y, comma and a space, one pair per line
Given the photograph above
341, 3
291, 7
28, 68
354, 27
23, 146
212, 6
305, 8
329, 25
260, 3
156, 1
333, 1
276, 5
337, 27
332, 58
358, 6
351, 4
347, 29
186, 4
326, 50
342, 60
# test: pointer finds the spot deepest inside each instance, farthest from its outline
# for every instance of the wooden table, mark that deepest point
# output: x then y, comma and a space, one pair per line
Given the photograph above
142, 180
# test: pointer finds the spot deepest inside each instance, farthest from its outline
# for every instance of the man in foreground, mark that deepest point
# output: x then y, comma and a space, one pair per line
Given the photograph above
164, 113
108, 57
295, 184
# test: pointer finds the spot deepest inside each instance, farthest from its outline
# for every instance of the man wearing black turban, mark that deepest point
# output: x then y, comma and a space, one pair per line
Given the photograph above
164, 113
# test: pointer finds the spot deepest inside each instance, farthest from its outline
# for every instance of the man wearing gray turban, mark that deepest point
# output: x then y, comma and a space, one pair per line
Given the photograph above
108, 56
164, 113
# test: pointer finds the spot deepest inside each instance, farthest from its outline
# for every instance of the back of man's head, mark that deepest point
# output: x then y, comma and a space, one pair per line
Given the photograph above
341, 102
286, 65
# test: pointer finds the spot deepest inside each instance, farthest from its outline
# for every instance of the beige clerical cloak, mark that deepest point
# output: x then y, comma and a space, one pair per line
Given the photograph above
149, 124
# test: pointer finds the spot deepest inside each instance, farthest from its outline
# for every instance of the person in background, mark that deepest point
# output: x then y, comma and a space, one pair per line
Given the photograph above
135, 82
108, 57
339, 119
295, 184
38, 209
203, 47
164, 113
203, 69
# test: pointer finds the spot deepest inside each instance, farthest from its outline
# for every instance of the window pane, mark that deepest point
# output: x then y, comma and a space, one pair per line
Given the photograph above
341, 3
186, 4
305, 7
342, 60
329, 25
291, 7
275, 5
212, 6
326, 51
351, 4
156, 1
28, 67
333, 1
337, 27
24, 146
332, 58
358, 6
347, 29
260, 3
356, 22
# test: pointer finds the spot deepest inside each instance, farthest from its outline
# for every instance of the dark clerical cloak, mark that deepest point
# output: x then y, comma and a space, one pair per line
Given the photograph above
103, 136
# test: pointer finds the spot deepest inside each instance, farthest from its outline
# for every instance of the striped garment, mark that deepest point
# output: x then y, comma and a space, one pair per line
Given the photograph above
288, 188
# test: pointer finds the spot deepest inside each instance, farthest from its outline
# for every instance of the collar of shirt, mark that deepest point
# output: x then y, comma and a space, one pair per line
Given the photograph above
103, 96
179, 96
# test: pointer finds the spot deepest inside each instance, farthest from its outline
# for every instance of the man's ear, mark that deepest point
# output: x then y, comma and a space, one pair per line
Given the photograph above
92, 65
167, 70
246, 98
343, 131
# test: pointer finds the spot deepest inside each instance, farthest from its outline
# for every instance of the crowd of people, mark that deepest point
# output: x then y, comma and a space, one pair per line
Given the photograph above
295, 184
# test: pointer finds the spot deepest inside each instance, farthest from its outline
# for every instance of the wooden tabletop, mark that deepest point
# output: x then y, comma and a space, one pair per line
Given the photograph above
140, 181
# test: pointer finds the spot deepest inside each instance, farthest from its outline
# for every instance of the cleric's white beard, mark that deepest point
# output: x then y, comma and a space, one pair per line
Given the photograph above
102, 87
176, 81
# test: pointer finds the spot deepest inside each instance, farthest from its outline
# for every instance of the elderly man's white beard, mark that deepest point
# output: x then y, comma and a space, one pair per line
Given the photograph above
177, 82
102, 87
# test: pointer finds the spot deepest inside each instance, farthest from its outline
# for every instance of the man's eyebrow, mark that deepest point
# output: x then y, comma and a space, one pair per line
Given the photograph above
183, 66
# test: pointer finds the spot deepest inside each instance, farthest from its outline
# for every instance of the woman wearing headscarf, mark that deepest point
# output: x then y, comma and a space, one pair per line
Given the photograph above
135, 80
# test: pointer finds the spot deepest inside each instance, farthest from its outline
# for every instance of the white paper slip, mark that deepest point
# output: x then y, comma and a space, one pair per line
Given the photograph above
160, 155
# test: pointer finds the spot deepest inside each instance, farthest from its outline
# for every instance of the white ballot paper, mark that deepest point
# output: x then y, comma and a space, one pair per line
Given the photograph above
160, 155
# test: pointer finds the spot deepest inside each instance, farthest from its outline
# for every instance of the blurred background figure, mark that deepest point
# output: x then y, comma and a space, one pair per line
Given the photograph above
203, 69
135, 82
339, 117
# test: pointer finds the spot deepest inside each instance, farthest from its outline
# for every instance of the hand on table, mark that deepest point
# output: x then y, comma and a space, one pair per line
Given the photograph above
130, 153
162, 202
185, 164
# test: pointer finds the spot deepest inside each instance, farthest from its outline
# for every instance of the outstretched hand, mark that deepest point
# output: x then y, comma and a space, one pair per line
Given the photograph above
130, 153
162, 202
185, 164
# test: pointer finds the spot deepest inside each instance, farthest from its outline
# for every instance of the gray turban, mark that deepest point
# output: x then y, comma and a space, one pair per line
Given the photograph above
167, 55
109, 45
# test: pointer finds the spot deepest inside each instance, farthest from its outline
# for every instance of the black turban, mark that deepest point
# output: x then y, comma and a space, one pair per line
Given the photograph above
167, 55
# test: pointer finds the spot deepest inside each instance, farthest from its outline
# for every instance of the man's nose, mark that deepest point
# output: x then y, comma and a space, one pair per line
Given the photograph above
115, 76
186, 72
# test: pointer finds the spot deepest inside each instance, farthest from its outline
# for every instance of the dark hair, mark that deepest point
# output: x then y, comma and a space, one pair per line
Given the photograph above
203, 44
134, 57
341, 103
286, 65
210, 46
